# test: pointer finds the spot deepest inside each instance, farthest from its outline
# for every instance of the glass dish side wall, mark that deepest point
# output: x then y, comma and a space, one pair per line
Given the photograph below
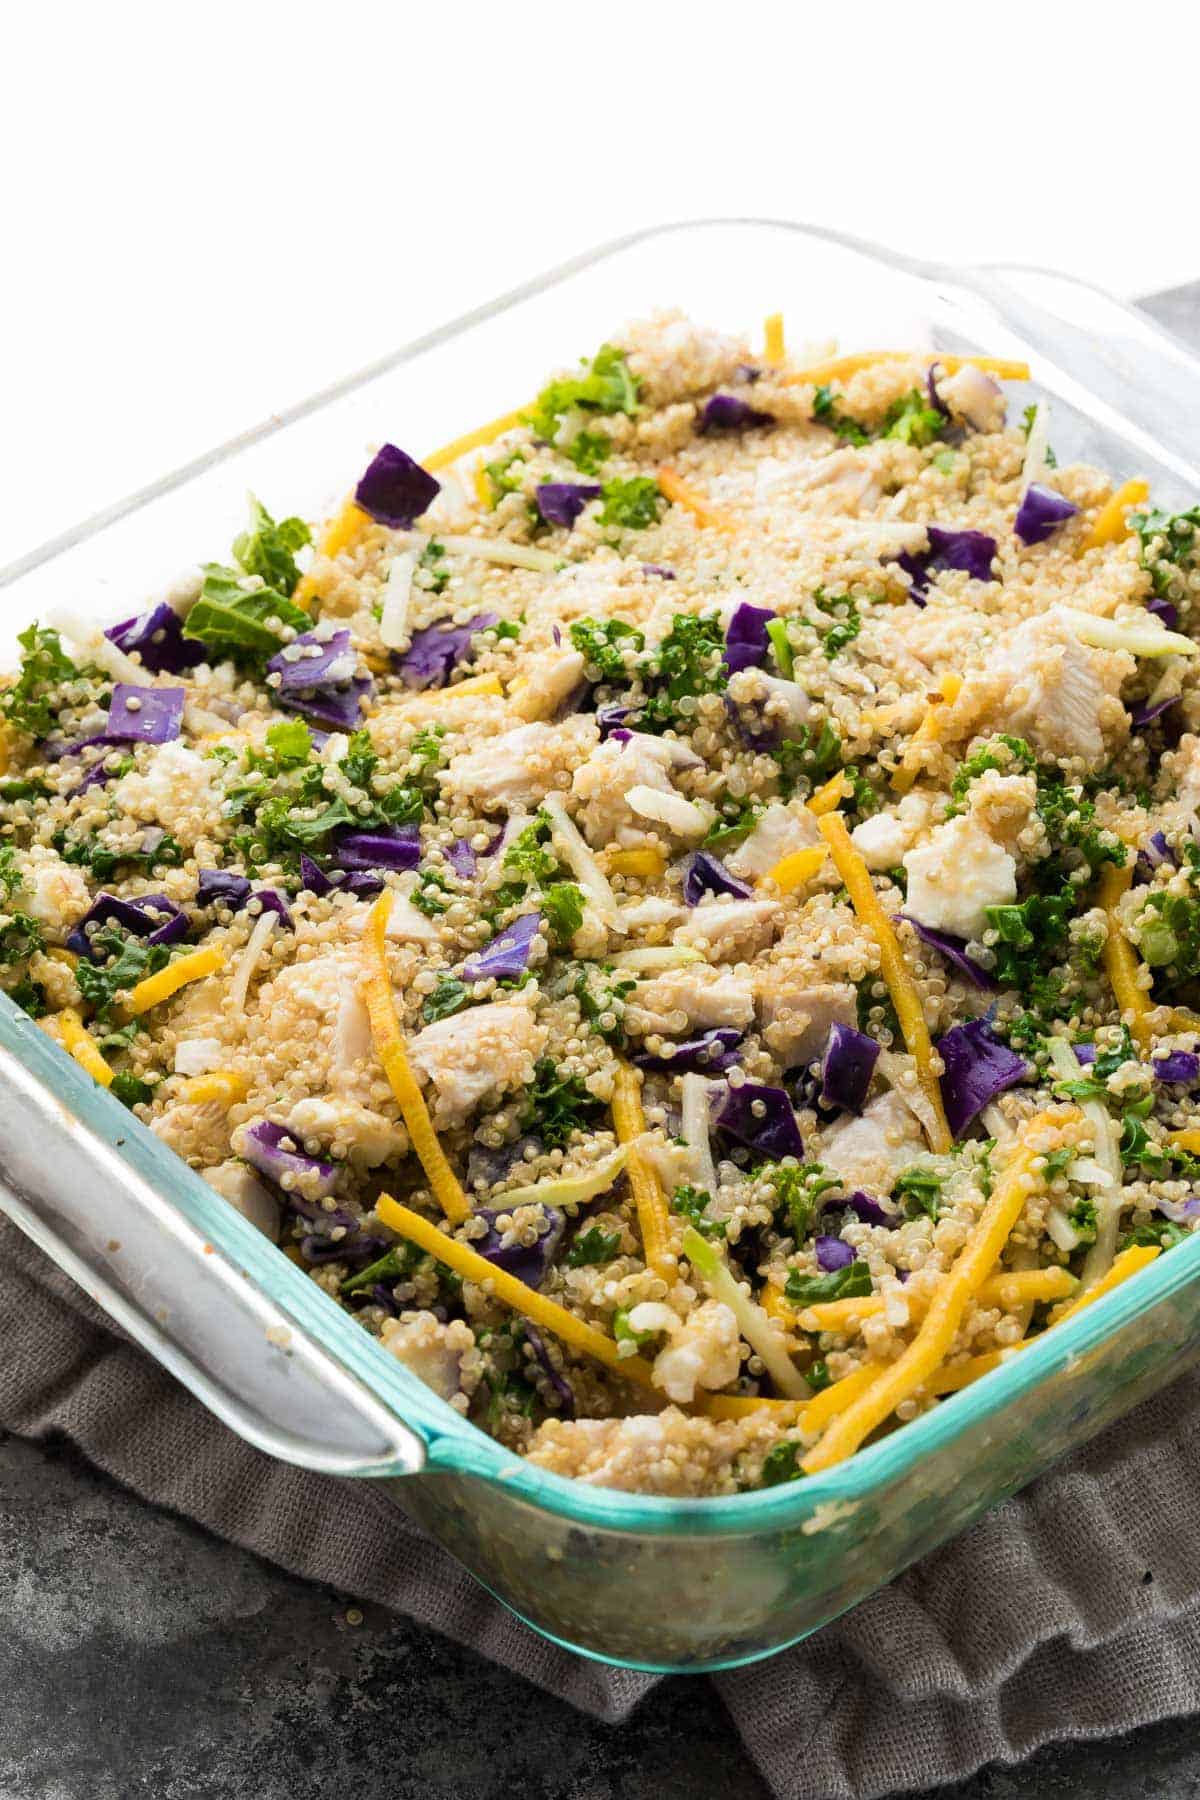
690, 1601
606, 1572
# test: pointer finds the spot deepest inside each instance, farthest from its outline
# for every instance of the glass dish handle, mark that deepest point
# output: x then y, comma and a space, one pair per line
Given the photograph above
88, 1205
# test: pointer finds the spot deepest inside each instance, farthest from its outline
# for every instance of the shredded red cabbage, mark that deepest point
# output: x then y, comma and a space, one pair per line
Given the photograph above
746, 640
725, 412
977, 1068
395, 490
1180, 1067
507, 956
762, 1119
222, 886
710, 1054
554, 1376
311, 662
561, 502
143, 715
154, 917
847, 1066
462, 858
954, 949
437, 650
706, 874
530, 1263
386, 847
832, 1254
970, 550
1041, 512
274, 1152
157, 637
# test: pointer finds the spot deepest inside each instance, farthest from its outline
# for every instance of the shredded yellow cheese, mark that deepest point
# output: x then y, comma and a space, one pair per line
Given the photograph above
1011, 1289
222, 1085
919, 1363
339, 534
839, 368
82, 1045
389, 1047
792, 871
681, 493
830, 795
929, 731
774, 352
1119, 958
473, 440
653, 1214
192, 967
647, 863
1129, 1262
1111, 523
547, 1314
905, 998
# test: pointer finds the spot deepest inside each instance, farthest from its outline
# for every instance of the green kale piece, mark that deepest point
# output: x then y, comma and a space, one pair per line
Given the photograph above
268, 549
558, 1105
634, 503
30, 703
593, 1246
849, 1283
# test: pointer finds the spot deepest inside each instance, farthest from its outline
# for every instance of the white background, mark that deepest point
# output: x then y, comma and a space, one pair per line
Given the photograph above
211, 210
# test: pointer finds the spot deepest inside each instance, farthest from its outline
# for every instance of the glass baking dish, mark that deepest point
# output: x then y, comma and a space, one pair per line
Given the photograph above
646, 1583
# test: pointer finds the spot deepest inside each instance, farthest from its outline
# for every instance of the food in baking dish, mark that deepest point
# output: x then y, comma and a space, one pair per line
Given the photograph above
682, 915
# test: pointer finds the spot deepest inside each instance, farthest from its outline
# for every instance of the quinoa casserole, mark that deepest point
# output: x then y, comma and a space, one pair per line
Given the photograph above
680, 913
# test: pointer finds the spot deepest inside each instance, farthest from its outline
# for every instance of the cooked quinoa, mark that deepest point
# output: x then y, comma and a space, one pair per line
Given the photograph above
682, 920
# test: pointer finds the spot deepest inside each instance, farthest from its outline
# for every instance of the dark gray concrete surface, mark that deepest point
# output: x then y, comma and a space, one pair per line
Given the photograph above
143, 1658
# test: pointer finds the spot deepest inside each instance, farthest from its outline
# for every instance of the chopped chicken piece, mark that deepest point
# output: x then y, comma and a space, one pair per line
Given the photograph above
704, 1348
348, 1131
320, 999
546, 683
478, 1053
673, 357
1044, 685
956, 875
797, 1015
780, 831
520, 767
174, 790
696, 995
883, 839
1002, 805
770, 707
973, 397
733, 929
442, 1356
51, 891
870, 1151
238, 1184
842, 482
601, 786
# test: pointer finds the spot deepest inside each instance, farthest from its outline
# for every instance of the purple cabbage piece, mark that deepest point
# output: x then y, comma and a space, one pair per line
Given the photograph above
969, 550
707, 874
358, 1247
507, 956
1142, 715
746, 640
864, 1207
1180, 1212
774, 1133
313, 877
561, 502
847, 1066
275, 1153
613, 718
529, 1263
339, 709
395, 490
144, 715
313, 662
382, 1296
437, 650
222, 887
954, 949
747, 372
725, 412
385, 847
554, 1376
151, 916
935, 399
157, 637
1085, 1054
832, 1254
710, 1054
486, 1167
57, 749
1041, 512
462, 859
271, 900
977, 1068
1153, 854
659, 569
1180, 1067
96, 775
1162, 609
362, 882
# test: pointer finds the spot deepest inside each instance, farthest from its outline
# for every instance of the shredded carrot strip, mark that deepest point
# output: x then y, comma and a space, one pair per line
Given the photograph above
1130, 1262
824, 799
834, 1399
6, 746
929, 731
389, 1047
1119, 958
777, 1307
157, 988
920, 1362
905, 998
82, 1045
473, 440
1111, 523
838, 368
482, 486
961, 1375
222, 1085
648, 863
742, 1406
1012, 1288
791, 872
653, 1214
681, 493
474, 684
67, 957
774, 351
1186, 1140
513, 1293
339, 534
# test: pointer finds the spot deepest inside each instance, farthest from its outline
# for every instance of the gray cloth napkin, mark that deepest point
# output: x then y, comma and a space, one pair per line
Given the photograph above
1072, 1611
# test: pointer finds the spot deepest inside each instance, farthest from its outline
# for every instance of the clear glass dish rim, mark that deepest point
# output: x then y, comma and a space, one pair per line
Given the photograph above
453, 1444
